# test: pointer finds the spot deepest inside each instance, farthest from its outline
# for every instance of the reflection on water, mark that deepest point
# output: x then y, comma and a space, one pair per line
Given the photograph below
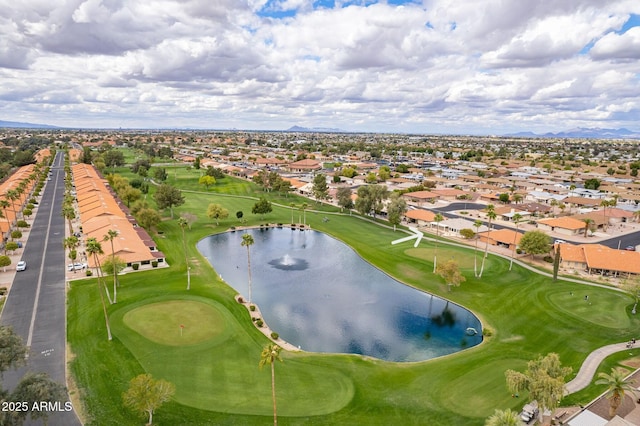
320, 295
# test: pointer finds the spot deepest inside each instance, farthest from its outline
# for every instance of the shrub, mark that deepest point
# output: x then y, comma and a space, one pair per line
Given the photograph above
3, 291
548, 259
154, 263
135, 266
252, 308
33, 201
275, 335
89, 272
259, 322
486, 331
240, 299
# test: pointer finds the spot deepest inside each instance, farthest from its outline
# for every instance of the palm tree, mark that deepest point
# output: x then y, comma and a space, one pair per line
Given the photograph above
95, 248
4, 204
605, 204
292, 205
491, 214
517, 198
437, 219
477, 224
587, 225
304, 214
183, 224
617, 385
269, 355
247, 241
69, 213
503, 418
109, 236
516, 218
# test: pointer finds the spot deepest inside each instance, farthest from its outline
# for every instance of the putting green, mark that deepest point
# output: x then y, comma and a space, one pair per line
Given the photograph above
601, 311
175, 322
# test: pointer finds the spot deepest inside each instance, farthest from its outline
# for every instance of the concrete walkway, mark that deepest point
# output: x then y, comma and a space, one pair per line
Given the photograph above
590, 365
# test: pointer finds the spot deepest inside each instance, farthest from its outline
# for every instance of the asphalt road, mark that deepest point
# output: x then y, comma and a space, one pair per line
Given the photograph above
36, 307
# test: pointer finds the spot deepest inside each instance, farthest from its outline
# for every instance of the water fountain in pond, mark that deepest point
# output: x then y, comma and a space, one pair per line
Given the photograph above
289, 263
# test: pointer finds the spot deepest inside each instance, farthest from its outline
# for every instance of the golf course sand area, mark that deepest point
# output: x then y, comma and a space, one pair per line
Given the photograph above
212, 365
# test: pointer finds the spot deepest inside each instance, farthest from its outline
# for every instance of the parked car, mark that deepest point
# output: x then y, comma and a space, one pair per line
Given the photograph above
630, 248
21, 266
529, 412
559, 242
76, 266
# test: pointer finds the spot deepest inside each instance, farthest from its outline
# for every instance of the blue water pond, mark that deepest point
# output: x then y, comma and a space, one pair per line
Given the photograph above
320, 295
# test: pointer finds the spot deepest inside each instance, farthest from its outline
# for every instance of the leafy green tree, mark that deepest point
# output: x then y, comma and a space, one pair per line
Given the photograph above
160, 174
535, 242
12, 351
217, 212
145, 394
131, 194
344, 198
262, 207
16, 235
592, 183
503, 418
504, 198
450, 272
148, 218
247, 241
168, 196
543, 379
10, 246
239, 214
4, 262
207, 181
395, 209
113, 158
467, 233
270, 354
36, 388
320, 187
617, 385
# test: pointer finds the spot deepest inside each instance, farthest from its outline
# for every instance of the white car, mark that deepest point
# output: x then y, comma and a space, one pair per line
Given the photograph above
76, 266
21, 266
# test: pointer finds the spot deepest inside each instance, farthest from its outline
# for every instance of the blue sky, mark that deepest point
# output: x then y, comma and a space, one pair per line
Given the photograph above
431, 66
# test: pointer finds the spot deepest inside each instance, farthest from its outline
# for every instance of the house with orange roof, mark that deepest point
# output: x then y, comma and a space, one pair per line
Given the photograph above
419, 198
600, 259
501, 237
450, 194
422, 218
562, 225
302, 166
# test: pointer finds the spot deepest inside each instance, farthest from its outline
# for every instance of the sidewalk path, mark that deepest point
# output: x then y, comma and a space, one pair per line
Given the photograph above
590, 365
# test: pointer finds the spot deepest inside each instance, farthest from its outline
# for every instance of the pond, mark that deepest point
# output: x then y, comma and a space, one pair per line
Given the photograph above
320, 295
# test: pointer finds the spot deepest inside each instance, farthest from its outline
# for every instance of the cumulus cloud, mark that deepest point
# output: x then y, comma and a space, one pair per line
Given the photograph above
435, 65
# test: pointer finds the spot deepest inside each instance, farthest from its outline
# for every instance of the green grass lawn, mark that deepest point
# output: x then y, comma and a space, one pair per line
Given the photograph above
216, 369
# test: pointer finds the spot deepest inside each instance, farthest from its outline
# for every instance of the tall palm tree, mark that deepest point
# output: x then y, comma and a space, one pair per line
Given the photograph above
94, 248
4, 204
247, 241
477, 224
503, 418
437, 219
587, 225
617, 385
109, 236
516, 218
270, 354
605, 204
183, 224
69, 213
304, 213
491, 214
292, 205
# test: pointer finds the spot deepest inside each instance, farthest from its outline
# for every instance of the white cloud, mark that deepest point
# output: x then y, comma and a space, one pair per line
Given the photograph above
441, 65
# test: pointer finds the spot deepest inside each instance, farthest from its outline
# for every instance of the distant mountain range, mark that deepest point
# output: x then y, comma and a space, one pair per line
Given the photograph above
314, 129
583, 132
16, 124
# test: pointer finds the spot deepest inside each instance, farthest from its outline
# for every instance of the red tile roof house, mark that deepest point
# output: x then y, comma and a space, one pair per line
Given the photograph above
501, 237
599, 259
305, 165
422, 218
419, 198
562, 225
